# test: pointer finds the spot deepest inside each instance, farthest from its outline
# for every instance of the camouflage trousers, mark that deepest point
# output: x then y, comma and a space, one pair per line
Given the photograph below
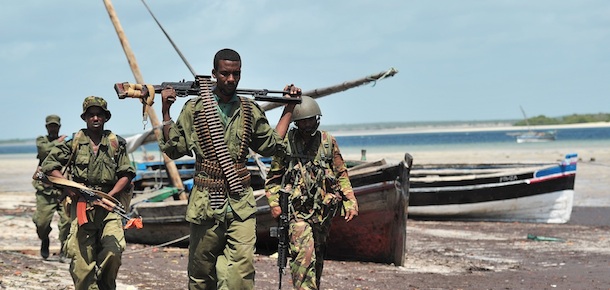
221, 254
46, 206
96, 248
307, 249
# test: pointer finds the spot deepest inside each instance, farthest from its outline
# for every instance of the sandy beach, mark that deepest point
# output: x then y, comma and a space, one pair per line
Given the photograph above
441, 255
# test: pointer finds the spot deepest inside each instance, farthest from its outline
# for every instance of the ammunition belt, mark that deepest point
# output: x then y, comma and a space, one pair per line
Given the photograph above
219, 184
215, 183
213, 170
219, 163
217, 199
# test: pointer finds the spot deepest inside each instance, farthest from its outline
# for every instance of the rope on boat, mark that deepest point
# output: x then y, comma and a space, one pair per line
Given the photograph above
157, 246
390, 72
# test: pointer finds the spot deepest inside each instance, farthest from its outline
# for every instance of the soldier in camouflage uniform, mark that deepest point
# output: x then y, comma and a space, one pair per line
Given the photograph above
222, 222
98, 159
314, 174
47, 197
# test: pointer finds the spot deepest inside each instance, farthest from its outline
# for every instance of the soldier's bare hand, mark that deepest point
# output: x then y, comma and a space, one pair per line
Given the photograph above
352, 213
293, 91
70, 193
99, 202
168, 94
276, 211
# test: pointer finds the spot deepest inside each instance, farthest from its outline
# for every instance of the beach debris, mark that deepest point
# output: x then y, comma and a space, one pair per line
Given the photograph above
544, 239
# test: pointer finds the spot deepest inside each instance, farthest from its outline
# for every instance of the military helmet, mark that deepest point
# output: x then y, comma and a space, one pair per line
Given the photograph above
306, 109
93, 101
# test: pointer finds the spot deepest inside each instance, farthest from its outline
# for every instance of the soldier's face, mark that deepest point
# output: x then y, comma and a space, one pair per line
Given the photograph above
308, 126
227, 76
53, 130
95, 117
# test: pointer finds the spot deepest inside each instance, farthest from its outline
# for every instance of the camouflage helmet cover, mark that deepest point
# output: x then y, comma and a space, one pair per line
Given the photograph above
93, 101
306, 109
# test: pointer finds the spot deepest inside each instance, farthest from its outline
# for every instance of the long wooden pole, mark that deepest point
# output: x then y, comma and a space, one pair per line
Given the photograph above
170, 166
322, 92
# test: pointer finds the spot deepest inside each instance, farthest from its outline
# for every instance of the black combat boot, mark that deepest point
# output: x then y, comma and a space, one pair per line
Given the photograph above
44, 248
62, 255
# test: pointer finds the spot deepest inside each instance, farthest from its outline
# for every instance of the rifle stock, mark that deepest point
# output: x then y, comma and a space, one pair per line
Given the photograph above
191, 88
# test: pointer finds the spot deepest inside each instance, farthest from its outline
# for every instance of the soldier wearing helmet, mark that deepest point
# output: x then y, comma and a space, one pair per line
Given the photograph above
315, 175
306, 116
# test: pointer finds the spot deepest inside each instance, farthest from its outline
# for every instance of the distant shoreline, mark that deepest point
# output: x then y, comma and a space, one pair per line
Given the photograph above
387, 129
474, 127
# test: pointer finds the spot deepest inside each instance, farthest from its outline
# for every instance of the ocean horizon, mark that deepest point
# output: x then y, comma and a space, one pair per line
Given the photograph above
385, 128
427, 137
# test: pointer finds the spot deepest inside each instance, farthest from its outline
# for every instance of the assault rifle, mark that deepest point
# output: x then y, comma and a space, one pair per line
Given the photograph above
281, 232
191, 88
91, 195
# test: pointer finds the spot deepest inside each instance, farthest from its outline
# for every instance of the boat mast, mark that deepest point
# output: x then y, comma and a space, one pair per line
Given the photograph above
525, 117
172, 170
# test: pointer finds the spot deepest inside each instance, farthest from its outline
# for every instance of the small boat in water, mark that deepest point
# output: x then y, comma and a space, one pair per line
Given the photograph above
536, 136
532, 135
520, 192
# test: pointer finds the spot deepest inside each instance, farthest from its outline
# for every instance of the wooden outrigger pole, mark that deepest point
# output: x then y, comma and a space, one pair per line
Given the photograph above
172, 170
321, 92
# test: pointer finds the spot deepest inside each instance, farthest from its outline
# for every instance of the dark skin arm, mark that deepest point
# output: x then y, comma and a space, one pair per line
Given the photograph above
168, 96
284, 123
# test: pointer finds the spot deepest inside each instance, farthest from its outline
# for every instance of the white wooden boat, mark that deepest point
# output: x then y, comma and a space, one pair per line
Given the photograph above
541, 193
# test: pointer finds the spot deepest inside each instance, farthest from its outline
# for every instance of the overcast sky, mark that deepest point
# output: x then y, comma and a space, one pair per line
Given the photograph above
457, 60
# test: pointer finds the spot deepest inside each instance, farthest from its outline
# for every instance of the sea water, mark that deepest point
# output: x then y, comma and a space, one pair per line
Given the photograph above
441, 141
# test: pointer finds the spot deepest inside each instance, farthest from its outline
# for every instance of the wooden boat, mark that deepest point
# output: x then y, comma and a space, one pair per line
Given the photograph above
536, 136
166, 219
541, 193
532, 135
378, 234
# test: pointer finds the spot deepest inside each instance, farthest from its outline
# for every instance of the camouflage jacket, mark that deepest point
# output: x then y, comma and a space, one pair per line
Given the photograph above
99, 171
316, 177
